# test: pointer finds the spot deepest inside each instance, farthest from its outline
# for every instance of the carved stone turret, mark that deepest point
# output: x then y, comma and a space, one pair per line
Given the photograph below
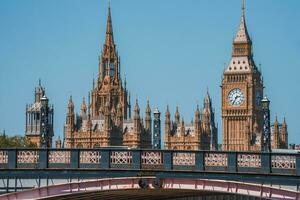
177, 116
284, 135
276, 141
148, 117
39, 119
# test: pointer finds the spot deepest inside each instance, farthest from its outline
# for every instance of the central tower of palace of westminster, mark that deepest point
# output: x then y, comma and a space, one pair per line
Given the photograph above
106, 119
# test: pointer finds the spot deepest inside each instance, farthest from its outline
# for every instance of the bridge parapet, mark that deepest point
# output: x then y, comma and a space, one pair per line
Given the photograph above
111, 158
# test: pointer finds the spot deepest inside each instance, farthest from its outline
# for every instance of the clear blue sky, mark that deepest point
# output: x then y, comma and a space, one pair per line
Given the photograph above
171, 51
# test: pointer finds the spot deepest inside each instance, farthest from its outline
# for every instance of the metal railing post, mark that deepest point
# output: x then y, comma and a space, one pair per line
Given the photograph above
75, 158
105, 159
12, 158
199, 161
266, 165
167, 160
136, 159
232, 161
43, 158
298, 164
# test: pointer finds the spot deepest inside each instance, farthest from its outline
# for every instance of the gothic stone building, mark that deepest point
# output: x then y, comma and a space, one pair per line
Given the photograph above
242, 92
106, 119
279, 135
39, 119
201, 133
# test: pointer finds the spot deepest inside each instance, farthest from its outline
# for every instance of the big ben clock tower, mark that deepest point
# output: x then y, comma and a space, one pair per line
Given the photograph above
242, 91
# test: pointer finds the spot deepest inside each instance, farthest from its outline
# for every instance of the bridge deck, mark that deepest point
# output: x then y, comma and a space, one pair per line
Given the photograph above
48, 164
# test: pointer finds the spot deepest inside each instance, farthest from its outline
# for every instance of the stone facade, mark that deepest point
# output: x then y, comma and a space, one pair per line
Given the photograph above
200, 134
106, 119
34, 128
279, 135
242, 92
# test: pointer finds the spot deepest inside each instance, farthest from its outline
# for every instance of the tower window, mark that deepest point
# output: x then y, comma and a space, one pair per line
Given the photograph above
111, 69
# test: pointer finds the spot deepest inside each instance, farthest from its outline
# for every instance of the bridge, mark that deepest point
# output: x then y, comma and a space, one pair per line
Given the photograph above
96, 171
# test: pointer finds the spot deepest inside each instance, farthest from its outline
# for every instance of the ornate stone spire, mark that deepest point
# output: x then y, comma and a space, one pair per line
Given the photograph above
39, 92
148, 109
148, 117
136, 110
276, 122
70, 114
197, 114
284, 124
109, 40
284, 136
242, 35
109, 60
276, 142
83, 107
207, 101
70, 105
167, 115
242, 58
177, 116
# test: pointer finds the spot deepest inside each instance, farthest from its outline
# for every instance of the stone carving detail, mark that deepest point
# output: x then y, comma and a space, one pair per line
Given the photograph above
249, 160
90, 157
28, 156
152, 158
59, 157
284, 162
3, 157
121, 157
216, 159
187, 159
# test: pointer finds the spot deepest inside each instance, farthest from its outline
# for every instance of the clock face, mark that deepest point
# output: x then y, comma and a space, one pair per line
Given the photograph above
236, 97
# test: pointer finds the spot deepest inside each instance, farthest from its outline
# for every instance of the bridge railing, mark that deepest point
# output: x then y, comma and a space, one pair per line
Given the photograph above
148, 159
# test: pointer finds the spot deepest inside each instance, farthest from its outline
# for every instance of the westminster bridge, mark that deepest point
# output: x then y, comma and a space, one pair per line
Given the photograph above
120, 172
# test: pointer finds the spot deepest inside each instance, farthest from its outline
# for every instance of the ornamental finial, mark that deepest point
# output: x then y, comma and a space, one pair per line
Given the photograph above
243, 6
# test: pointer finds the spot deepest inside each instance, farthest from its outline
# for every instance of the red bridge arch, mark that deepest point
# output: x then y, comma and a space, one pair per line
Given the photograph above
108, 184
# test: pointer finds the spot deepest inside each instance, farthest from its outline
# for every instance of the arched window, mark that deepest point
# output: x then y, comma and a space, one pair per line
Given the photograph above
79, 146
